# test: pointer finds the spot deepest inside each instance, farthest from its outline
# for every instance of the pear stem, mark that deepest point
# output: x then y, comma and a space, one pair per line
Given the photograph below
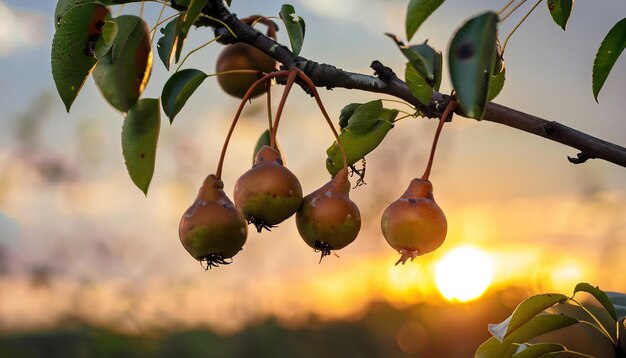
254, 19
268, 93
246, 97
311, 86
446, 113
293, 73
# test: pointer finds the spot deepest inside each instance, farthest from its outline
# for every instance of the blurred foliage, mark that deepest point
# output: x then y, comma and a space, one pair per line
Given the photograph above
383, 331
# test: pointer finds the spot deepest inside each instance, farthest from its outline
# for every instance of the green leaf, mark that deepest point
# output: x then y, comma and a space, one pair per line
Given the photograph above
63, 6
539, 325
565, 354
107, 39
539, 349
433, 64
496, 84
417, 85
169, 40
122, 74
72, 56
140, 135
264, 139
193, 11
365, 116
493, 348
109, 32
417, 12
357, 144
524, 312
471, 58
560, 10
295, 27
599, 295
346, 113
425, 59
608, 53
228, 2
177, 90
618, 300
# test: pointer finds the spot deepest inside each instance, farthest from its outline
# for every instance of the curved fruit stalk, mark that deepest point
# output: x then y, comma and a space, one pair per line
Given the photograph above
212, 229
269, 193
414, 224
328, 219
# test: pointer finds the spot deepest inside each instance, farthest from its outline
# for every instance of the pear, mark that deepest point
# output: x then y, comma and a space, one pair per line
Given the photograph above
268, 193
327, 219
212, 229
414, 224
241, 56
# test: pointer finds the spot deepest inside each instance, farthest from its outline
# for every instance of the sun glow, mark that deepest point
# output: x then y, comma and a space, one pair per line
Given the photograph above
463, 274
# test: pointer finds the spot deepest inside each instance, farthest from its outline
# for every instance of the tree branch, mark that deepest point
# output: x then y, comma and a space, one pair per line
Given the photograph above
386, 82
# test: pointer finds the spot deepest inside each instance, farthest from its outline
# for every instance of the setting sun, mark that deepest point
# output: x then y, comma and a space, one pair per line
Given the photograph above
464, 273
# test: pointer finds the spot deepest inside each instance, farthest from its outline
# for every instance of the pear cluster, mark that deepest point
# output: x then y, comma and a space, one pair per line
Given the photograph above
213, 229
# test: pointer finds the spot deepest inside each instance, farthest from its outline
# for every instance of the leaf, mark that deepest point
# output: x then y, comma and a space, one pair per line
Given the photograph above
417, 85
193, 11
72, 55
524, 312
618, 300
433, 64
417, 12
608, 53
539, 349
228, 2
365, 116
493, 348
168, 41
358, 144
565, 354
178, 88
471, 58
496, 84
425, 59
140, 135
122, 74
539, 325
295, 27
63, 6
346, 113
264, 139
106, 40
598, 295
560, 10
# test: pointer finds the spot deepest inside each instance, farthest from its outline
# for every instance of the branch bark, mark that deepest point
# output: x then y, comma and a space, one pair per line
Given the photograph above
386, 82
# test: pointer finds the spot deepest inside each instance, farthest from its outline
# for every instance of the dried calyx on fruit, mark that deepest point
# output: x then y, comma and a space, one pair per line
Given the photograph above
268, 193
237, 58
414, 224
212, 230
328, 219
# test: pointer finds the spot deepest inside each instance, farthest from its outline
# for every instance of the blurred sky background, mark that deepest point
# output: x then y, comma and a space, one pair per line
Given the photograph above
78, 239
